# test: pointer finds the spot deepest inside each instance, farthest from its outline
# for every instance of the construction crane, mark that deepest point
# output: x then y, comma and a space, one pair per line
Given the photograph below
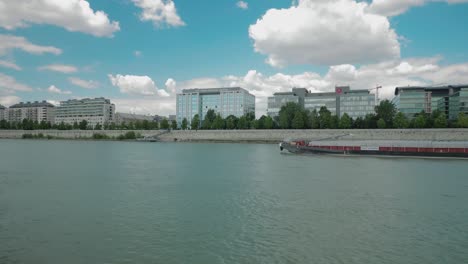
377, 88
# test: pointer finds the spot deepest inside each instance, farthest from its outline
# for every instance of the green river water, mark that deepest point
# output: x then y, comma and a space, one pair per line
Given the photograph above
123, 202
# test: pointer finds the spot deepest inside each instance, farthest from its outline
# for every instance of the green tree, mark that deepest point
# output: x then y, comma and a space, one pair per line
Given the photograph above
381, 123
440, 121
4, 124
260, 123
298, 120
112, 126
231, 122
98, 127
250, 116
184, 124
209, 118
287, 114
358, 123
269, 123
314, 120
243, 123
335, 121
218, 122
387, 111
346, 121
27, 124
420, 120
83, 125
462, 120
325, 118
36, 125
370, 121
174, 125
164, 124
195, 124
145, 124
400, 121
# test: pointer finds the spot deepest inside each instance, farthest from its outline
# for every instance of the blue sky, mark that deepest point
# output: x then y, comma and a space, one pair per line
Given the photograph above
140, 53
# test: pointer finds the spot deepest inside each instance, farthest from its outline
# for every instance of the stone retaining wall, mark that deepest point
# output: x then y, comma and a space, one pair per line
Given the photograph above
271, 136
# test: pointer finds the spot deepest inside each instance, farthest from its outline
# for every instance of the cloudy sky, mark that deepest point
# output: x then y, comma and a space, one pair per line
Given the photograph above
140, 53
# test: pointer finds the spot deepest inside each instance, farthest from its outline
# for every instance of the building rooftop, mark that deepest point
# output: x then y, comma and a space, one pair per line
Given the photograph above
2, 107
346, 90
429, 88
213, 90
85, 100
32, 104
321, 94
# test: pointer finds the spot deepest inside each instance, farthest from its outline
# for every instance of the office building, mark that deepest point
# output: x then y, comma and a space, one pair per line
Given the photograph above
458, 103
356, 103
275, 102
35, 111
225, 101
412, 100
3, 112
94, 111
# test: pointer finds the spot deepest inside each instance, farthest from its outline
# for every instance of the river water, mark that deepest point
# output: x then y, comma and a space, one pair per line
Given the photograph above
122, 202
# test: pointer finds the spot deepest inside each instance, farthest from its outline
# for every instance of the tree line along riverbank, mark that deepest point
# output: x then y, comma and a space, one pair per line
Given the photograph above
291, 116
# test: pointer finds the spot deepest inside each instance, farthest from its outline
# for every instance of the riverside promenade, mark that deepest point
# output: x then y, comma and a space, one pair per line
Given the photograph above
258, 136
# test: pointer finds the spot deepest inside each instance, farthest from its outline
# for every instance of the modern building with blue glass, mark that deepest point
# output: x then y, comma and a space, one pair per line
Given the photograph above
355, 103
450, 99
234, 101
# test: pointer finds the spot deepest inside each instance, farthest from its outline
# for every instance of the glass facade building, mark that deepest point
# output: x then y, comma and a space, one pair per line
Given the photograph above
458, 103
449, 99
314, 101
279, 99
225, 101
356, 103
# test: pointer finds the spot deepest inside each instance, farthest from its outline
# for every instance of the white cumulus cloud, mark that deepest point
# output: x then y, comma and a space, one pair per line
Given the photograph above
242, 5
87, 84
136, 85
10, 65
160, 12
9, 100
397, 7
9, 84
56, 90
154, 106
73, 15
59, 68
10, 42
324, 33
388, 74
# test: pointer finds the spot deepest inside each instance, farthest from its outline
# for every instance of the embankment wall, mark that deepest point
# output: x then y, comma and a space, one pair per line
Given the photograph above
268, 136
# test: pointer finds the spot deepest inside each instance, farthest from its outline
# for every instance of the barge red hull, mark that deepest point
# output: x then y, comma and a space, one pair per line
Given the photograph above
302, 147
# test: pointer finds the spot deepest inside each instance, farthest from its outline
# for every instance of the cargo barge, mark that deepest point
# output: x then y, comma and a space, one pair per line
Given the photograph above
442, 149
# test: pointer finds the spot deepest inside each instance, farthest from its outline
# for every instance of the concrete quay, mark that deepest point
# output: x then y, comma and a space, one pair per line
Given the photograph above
265, 136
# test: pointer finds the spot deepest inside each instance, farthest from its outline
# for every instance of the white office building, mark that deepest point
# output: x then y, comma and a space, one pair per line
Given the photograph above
225, 101
94, 111
35, 111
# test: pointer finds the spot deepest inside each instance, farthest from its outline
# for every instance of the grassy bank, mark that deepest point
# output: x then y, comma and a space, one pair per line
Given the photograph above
130, 135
